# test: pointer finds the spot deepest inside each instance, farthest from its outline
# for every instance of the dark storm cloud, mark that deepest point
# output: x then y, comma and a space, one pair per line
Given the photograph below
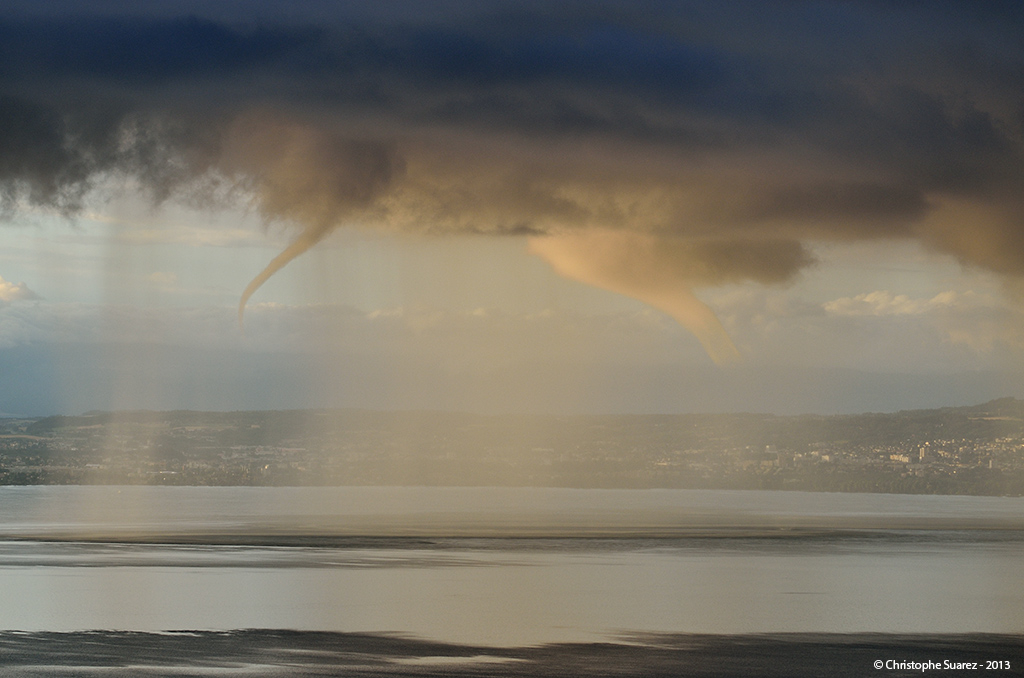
730, 123
137, 52
54, 155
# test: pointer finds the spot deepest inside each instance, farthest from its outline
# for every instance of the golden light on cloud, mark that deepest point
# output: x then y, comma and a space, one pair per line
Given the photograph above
645, 268
650, 162
14, 292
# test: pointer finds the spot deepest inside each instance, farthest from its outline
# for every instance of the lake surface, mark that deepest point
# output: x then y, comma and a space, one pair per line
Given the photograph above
508, 567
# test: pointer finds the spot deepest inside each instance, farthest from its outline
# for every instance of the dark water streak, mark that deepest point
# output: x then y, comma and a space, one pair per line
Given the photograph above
270, 653
638, 539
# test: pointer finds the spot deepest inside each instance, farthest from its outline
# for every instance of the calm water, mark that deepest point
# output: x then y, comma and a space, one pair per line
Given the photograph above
452, 563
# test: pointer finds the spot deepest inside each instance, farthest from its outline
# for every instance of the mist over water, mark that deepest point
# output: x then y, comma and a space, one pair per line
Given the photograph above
113, 512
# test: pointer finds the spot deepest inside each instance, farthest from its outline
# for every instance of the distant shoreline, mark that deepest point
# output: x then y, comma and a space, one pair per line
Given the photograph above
972, 451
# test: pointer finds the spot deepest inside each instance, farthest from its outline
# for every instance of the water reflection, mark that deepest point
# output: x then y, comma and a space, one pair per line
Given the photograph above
515, 596
365, 560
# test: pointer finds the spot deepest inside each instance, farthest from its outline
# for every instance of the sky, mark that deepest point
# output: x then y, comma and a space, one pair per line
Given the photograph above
608, 207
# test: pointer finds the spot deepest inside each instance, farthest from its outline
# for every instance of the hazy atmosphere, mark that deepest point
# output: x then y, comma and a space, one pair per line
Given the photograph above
596, 207
511, 338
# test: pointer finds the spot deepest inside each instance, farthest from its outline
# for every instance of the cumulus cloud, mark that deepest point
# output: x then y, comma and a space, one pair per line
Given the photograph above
11, 292
980, 323
725, 138
883, 302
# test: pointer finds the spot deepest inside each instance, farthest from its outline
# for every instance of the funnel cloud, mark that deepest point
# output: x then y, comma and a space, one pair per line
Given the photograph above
648, 149
661, 272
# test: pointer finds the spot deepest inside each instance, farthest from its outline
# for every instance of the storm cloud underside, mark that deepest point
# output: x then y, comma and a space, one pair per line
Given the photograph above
649, 151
